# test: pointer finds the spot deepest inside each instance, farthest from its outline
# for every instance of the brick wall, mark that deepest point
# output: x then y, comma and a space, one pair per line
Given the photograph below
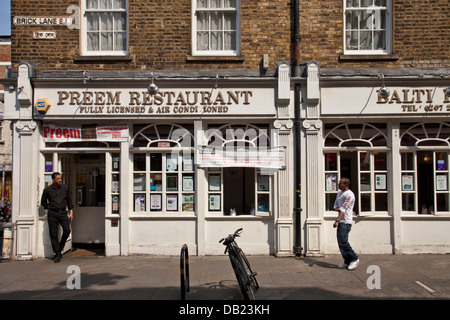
160, 36
421, 34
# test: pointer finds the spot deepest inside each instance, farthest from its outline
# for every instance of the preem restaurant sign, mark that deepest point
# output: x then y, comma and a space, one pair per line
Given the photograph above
138, 102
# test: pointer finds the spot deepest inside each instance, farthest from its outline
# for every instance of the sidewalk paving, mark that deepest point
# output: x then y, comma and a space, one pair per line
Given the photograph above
145, 277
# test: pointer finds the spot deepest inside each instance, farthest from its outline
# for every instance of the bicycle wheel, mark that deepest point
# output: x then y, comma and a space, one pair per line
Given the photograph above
248, 269
242, 277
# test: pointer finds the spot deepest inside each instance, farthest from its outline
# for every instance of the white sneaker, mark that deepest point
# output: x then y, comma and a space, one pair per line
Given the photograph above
353, 265
343, 266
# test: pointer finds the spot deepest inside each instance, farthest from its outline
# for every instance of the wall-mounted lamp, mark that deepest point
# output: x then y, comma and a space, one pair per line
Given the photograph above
153, 88
447, 91
383, 92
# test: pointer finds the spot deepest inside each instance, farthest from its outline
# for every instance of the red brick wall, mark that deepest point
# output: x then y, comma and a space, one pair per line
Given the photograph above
160, 36
421, 34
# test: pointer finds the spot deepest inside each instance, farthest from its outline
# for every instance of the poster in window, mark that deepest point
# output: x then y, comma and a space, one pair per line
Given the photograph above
172, 162
188, 183
441, 182
155, 202
188, 203
440, 165
330, 182
139, 202
380, 182
214, 202
172, 202
407, 182
214, 182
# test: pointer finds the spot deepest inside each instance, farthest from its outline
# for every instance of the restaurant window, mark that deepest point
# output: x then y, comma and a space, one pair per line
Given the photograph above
239, 190
105, 27
358, 152
367, 26
424, 168
216, 27
163, 169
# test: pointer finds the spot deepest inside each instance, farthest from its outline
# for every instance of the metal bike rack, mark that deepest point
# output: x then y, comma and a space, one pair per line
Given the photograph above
184, 271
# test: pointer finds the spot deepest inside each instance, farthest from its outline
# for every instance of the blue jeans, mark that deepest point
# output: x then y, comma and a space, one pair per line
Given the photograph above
342, 237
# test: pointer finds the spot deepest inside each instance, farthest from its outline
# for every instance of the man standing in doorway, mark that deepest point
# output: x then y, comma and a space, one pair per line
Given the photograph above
345, 200
56, 199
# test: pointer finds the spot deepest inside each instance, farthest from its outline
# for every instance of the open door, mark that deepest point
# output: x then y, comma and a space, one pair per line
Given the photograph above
66, 165
88, 188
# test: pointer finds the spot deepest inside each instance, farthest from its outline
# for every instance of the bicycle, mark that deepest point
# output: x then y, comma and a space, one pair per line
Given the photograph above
241, 267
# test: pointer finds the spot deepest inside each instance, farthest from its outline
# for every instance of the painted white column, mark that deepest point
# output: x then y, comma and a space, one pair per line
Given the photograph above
201, 193
25, 210
396, 187
284, 218
314, 207
312, 169
125, 195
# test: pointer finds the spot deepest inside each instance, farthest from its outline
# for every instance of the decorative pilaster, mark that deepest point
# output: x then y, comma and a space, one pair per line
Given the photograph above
312, 168
284, 221
25, 159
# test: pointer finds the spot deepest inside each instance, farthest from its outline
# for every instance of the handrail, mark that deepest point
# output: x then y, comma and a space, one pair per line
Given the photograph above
184, 271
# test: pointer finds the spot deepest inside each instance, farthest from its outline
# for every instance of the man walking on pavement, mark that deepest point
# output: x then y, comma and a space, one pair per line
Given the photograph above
345, 200
56, 199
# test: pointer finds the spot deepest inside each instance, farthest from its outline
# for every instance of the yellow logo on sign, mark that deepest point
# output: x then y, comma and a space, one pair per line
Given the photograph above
42, 105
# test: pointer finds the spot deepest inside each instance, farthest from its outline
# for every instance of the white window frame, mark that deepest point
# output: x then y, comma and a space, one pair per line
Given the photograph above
196, 52
388, 36
421, 133
84, 37
348, 134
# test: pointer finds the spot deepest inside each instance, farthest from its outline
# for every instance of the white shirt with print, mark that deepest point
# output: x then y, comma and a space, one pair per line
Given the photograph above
345, 200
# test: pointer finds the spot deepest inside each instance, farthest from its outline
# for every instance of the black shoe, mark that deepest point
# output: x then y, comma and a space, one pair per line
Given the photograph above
58, 257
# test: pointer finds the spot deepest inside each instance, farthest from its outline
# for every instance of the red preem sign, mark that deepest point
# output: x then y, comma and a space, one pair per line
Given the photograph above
113, 132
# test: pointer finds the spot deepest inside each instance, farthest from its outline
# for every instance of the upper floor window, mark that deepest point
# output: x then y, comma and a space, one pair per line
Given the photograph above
216, 27
367, 26
105, 27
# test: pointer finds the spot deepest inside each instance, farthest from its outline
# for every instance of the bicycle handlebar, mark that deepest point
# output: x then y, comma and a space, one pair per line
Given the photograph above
226, 241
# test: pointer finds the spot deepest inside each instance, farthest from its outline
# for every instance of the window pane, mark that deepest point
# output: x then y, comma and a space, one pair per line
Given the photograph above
364, 161
407, 161
139, 162
92, 41
381, 202
365, 202
441, 202
380, 161
365, 182
441, 161
105, 4
92, 4
330, 161
119, 4
92, 21
156, 162
263, 202
330, 198
106, 41
408, 202
139, 182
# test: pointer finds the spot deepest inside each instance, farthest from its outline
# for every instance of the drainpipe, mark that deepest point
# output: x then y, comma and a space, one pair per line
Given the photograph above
297, 131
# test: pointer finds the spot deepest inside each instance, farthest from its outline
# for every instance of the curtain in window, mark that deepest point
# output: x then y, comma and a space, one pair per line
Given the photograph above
365, 23
216, 29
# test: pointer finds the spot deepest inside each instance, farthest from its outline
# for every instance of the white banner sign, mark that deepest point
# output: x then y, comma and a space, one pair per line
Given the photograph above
114, 132
274, 158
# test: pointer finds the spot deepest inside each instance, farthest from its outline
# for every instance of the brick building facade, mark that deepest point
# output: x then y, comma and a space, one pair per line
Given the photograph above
333, 88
